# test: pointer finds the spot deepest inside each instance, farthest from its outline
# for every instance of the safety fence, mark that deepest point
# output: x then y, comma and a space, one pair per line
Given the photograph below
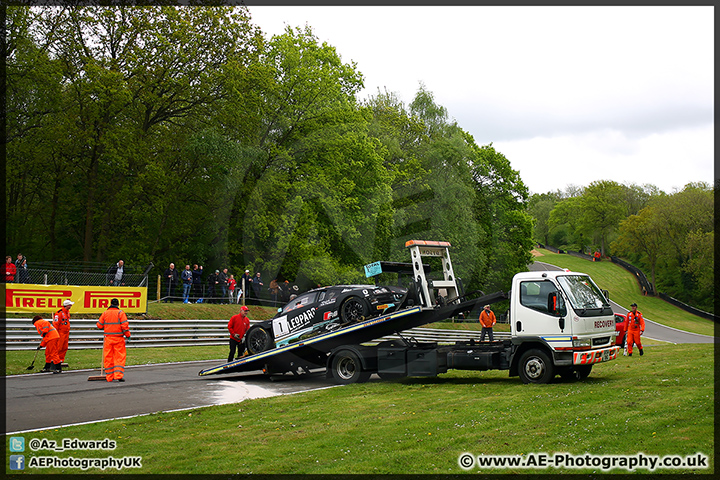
645, 285
48, 276
19, 334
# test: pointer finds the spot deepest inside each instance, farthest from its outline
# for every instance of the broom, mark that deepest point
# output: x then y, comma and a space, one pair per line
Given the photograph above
102, 369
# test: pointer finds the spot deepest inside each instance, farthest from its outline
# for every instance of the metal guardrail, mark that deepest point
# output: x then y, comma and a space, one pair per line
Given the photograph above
19, 334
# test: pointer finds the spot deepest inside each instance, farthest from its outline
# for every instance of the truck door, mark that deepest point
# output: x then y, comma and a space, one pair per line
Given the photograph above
539, 310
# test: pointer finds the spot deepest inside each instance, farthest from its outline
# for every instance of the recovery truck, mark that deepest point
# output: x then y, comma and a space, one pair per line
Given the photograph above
561, 324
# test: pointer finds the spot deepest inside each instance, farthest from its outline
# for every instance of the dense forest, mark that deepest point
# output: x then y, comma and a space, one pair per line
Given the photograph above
165, 134
670, 237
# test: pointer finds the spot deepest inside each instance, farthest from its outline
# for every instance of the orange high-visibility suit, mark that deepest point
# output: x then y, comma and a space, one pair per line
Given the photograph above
50, 337
61, 322
115, 325
635, 325
487, 320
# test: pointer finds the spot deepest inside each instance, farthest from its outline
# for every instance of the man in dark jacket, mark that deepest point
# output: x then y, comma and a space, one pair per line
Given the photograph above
197, 281
212, 282
223, 284
171, 281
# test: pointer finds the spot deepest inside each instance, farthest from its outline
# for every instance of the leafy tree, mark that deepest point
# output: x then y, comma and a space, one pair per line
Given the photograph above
602, 208
641, 234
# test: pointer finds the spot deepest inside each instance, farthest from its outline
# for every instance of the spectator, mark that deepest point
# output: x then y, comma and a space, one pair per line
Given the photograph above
197, 281
257, 285
187, 279
285, 291
231, 288
171, 281
223, 284
21, 269
10, 270
115, 274
245, 282
212, 283
274, 290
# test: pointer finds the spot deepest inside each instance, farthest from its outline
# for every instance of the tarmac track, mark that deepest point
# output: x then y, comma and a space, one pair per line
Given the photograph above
42, 401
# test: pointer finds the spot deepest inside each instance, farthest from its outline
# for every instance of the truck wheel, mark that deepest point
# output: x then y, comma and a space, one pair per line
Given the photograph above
353, 309
536, 367
258, 340
572, 374
346, 368
582, 371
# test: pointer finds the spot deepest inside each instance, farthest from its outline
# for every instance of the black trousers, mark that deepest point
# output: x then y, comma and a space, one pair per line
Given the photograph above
487, 330
234, 344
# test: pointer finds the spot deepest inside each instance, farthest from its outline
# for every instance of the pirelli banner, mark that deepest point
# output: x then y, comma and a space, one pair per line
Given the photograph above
24, 297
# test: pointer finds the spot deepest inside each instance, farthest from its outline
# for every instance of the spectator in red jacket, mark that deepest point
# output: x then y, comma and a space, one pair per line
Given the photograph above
10, 270
237, 326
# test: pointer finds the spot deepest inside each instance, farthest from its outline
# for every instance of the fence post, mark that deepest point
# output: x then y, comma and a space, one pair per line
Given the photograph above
243, 291
158, 288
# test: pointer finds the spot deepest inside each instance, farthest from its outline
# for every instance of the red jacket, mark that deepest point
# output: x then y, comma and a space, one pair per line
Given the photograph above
238, 324
47, 331
10, 271
61, 320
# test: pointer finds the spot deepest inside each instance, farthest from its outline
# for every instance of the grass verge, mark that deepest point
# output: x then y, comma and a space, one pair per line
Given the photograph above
658, 404
625, 290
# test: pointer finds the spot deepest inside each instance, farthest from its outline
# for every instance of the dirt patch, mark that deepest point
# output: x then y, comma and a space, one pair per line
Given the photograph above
535, 253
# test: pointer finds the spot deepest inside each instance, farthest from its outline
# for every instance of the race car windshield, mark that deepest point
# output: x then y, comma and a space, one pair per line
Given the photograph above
583, 294
301, 301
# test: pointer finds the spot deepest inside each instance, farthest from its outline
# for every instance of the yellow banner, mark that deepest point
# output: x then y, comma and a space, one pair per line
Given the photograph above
23, 297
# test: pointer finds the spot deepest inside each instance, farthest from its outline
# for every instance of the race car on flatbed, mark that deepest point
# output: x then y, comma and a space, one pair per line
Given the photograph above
321, 310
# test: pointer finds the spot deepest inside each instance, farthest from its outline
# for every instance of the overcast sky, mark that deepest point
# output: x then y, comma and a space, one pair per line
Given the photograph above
568, 94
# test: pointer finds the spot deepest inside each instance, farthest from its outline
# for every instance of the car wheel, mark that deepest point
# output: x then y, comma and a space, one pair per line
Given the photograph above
353, 309
258, 340
536, 367
347, 368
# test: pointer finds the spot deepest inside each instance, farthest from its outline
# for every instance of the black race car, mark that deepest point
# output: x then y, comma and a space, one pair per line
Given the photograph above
321, 310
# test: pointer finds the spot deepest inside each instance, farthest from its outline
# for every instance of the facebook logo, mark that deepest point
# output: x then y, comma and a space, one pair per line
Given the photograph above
17, 444
17, 462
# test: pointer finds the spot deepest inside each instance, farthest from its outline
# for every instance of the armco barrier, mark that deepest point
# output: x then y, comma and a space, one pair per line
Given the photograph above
19, 334
645, 286
584, 256
687, 307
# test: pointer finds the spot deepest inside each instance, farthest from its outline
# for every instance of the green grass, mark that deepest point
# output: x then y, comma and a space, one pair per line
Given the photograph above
658, 404
625, 290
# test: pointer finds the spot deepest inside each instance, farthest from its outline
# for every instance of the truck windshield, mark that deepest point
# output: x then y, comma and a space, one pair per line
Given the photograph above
584, 296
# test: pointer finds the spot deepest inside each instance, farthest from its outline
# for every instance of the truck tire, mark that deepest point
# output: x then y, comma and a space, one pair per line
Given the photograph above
346, 368
536, 367
353, 309
578, 372
258, 340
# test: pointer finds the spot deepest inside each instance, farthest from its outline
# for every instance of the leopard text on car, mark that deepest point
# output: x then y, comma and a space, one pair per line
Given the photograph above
321, 310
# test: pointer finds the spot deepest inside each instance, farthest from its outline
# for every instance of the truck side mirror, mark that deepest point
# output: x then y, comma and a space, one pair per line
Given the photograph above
552, 303
555, 304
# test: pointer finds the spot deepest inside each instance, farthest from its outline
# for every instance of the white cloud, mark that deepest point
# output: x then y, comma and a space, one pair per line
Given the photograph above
588, 93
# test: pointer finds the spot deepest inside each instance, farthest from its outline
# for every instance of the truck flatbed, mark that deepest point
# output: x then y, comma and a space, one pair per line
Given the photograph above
313, 352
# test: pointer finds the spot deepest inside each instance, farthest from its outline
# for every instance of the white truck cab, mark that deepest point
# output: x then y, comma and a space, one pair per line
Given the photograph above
564, 314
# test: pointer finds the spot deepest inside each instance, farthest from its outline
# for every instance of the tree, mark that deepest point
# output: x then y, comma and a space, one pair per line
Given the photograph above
641, 234
602, 208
